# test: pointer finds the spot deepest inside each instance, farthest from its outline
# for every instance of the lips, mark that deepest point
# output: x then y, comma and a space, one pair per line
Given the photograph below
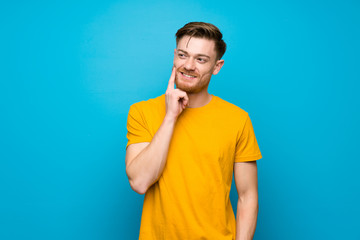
187, 76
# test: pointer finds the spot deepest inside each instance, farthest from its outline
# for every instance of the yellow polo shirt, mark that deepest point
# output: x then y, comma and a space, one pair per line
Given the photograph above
191, 198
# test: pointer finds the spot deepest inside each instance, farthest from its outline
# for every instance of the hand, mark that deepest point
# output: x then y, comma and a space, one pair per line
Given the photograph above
176, 100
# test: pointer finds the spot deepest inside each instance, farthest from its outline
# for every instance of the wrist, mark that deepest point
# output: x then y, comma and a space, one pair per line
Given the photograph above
170, 118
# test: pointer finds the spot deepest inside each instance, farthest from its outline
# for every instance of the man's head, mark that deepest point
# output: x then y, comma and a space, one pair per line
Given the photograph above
203, 30
199, 48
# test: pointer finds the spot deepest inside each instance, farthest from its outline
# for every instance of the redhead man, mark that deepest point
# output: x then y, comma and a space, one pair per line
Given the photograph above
184, 147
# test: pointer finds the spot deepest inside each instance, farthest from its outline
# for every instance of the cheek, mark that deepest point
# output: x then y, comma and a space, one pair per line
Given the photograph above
177, 61
176, 76
206, 72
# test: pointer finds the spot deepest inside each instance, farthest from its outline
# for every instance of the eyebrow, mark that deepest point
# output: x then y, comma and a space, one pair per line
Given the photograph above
198, 55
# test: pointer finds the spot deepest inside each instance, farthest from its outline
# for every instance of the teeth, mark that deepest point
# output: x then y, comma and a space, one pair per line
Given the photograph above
188, 75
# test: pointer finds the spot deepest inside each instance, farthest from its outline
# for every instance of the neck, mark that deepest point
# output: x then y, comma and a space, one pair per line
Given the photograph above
199, 99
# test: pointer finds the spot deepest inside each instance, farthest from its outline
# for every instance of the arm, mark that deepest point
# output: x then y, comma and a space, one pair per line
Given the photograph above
247, 207
145, 162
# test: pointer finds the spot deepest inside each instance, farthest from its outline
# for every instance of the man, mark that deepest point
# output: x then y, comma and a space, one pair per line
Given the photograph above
184, 146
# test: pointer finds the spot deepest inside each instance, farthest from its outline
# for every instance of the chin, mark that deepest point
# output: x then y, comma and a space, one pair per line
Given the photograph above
188, 89
184, 86
191, 87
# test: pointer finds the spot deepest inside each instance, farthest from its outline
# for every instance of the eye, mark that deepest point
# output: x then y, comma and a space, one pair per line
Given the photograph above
201, 60
181, 55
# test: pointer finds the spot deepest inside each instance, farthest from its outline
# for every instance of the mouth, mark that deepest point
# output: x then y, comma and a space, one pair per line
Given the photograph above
187, 76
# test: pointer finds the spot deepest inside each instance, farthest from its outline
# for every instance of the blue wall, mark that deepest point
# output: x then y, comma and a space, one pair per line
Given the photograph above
69, 72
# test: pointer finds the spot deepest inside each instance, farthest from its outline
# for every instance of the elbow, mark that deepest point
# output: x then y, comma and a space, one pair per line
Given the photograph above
138, 187
248, 198
138, 183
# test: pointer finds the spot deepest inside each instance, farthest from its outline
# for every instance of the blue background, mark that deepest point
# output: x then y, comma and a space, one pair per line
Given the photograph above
70, 71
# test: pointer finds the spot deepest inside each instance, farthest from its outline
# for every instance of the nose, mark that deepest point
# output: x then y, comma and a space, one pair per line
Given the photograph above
189, 64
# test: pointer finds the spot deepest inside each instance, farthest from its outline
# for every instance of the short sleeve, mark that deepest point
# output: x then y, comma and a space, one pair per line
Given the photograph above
247, 148
137, 130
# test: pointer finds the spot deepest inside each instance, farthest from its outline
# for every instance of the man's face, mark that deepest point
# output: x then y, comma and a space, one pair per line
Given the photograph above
195, 61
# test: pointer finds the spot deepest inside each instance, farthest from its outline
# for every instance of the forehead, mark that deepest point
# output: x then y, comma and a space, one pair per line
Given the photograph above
196, 45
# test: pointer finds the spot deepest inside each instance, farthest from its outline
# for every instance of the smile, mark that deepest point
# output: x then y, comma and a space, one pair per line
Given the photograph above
187, 76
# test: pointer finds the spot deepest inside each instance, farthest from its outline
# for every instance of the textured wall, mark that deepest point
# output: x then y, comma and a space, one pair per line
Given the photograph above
69, 72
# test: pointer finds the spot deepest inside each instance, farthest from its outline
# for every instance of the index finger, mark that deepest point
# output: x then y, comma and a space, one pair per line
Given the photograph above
172, 80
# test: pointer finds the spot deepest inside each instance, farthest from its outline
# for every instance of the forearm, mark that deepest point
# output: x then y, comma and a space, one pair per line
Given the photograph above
246, 216
147, 166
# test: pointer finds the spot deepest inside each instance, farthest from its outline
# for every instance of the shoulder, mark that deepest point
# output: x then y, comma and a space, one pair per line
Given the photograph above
152, 103
230, 108
151, 108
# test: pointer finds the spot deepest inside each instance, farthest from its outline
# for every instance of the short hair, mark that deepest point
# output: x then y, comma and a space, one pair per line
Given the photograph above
203, 30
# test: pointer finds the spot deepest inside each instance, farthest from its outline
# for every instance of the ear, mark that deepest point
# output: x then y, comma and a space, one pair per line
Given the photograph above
174, 54
218, 66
